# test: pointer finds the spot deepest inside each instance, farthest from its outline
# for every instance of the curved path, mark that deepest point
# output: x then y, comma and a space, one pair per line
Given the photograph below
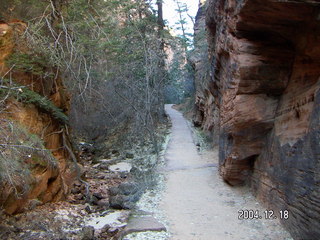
197, 203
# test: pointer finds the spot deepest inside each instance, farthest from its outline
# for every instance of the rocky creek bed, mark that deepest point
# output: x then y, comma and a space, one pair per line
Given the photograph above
116, 182
135, 196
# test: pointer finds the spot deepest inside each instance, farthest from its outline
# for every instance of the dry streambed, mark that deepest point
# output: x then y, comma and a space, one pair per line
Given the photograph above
116, 183
184, 199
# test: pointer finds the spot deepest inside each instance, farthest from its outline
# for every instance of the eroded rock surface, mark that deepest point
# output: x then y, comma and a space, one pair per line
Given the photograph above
33, 178
143, 222
262, 102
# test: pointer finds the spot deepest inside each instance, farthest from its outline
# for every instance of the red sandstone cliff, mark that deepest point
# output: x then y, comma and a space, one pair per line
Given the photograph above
262, 102
30, 177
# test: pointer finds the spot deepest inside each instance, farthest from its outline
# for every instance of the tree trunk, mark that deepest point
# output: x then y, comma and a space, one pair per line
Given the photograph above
160, 15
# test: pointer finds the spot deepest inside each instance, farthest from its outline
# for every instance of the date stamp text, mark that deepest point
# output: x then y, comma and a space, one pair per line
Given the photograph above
249, 214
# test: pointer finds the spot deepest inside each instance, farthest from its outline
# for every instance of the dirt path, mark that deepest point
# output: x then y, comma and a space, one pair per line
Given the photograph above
197, 203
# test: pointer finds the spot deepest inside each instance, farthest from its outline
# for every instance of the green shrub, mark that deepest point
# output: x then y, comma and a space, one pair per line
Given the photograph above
23, 62
26, 95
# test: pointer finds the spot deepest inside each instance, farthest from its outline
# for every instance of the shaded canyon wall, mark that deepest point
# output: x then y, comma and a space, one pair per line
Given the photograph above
261, 101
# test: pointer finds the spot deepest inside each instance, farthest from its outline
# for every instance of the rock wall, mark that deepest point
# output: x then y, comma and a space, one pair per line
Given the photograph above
264, 86
32, 177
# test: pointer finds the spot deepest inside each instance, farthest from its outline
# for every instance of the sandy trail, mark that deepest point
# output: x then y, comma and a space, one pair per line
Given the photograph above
198, 204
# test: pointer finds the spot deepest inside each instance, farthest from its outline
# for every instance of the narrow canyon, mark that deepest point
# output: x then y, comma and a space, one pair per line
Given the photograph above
117, 124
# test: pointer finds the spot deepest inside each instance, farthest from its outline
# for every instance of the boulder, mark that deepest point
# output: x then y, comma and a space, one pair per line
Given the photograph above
120, 167
143, 223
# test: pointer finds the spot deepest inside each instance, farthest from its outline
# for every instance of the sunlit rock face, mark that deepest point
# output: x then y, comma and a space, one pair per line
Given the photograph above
264, 86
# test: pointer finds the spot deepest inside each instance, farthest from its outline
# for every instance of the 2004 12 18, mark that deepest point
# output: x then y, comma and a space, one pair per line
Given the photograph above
247, 214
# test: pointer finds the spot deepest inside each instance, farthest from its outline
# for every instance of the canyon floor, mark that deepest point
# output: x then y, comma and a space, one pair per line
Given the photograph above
193, 201
189, 199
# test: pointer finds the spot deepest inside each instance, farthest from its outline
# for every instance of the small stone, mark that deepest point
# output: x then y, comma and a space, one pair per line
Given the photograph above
33, 203
113, 191
128, 188
87, 233
128, 205
116, 202
129, 155
103, 203
123, 174
100, 177
113, 230
105, 228
94, 200
78, 196
143, 224
88, 209
115, 152
75, 190
96, 165
134, 170
5, 230
104, 166
120, 167
77, 184
98, 195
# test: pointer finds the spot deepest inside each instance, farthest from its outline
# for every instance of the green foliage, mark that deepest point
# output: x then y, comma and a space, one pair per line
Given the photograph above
121, 42
182, 25
179, 83
21, 9
26, 95
34, 64
109, 54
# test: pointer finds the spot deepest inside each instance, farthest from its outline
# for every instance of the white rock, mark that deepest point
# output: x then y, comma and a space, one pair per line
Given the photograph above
120, 167
113, 219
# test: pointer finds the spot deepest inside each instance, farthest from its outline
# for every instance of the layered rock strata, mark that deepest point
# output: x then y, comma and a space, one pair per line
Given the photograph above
264, 88
34, 176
